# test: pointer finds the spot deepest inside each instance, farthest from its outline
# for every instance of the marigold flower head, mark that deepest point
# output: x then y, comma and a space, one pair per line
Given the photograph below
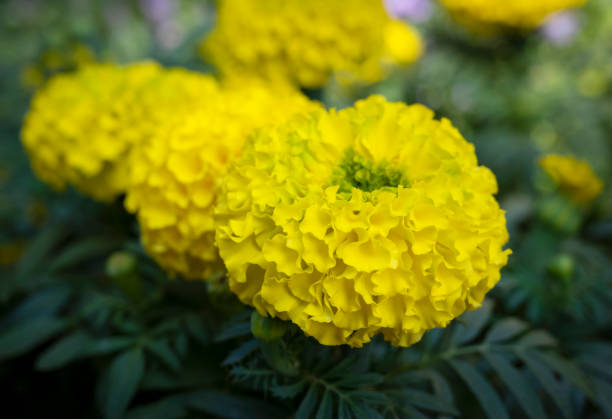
373, 219
75, 132
174, 175
519, 14
574, 177
306, 41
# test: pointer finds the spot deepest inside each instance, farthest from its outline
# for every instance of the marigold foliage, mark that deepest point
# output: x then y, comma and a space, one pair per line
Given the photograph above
305, 41
520, 14
75, 132
372, 219
574, 177
174, 175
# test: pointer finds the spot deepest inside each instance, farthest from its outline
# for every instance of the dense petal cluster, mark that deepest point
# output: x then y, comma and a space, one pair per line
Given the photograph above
373, 219
75, 131
574, 177
174, 175
306, 41
521, 14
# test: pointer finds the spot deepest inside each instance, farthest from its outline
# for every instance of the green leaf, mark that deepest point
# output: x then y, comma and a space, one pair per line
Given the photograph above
24, 336
102, 346
344, 411
39, 248
44, 303
326, 408
518, 385
567, 369
470, 324
232, 406
603, 395
288, 391
172, 407
505, 329
234, 331
241, 352
278, 358
427, 401
440, 385
482, 390
197, 329
537, 338
82, 251
164, 353
367, 379
308, 403
65, 350
124, 375
547, 379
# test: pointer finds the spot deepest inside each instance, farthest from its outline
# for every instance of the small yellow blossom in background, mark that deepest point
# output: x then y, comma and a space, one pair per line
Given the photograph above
304, 42
174, 175
374, 219
75, 132
489, 15
574, 177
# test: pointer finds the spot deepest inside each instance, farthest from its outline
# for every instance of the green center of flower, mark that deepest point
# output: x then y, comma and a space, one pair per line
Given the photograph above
356, 171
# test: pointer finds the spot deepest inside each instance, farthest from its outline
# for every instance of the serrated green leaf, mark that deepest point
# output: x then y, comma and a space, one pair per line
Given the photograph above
22, 337
428, 401
546, 378
567, 369
172, 407
65, 350
288, 391
341, 369
278, 358
369, 397
602, 394
241, 352
82, 251
234, 331
440, 385
124, 376
197, 329
521, 388
537, 338
308, 403
360, 380
344, 411
164, 353
326, 408
44, 303
470, 324
103, 346
482, 390
232, 406
505, 329
38, 249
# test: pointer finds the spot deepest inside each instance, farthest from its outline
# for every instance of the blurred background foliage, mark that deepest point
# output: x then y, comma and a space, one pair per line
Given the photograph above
90, 327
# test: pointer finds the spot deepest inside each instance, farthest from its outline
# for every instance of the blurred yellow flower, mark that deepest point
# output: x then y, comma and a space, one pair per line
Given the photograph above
306, 41
174, 175
374, 219
574, 177
75, 131
487, 15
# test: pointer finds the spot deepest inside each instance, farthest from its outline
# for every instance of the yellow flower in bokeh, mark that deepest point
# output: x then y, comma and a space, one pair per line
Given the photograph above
574, 177
306, 41
489, 15
174, 175
374, 219
75, 131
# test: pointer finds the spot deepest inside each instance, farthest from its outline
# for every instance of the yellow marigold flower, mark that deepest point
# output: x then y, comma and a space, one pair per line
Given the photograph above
75, 132
373, 219
175, 174
487, 15
305, 41
574, 177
